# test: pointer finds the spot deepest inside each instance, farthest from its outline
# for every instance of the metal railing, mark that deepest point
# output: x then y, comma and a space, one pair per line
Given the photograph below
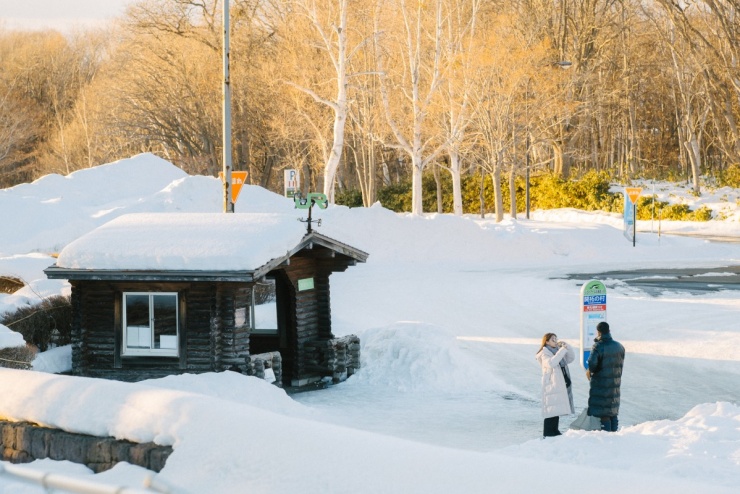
78, 486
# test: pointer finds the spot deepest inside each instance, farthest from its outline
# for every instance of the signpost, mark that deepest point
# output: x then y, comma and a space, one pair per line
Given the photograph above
291, 182
631, 195
593, 311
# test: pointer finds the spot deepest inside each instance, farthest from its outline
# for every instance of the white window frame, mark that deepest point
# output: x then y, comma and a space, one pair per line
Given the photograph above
150, 352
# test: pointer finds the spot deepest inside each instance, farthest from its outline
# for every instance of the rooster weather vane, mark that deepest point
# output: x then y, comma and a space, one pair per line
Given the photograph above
308, 202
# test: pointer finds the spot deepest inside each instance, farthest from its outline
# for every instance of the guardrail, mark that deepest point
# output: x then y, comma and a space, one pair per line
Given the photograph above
75, 485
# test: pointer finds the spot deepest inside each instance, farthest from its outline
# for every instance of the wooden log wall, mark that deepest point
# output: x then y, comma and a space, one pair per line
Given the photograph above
233, 340
270, 360
198, 339
210, 339
78, 363
312, 318
338, 358
216, 328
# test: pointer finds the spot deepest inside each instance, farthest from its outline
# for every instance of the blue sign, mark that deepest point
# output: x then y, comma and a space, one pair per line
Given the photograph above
629, 218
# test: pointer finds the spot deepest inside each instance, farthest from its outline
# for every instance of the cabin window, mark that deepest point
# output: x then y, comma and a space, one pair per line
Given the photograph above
264, 307
150, 322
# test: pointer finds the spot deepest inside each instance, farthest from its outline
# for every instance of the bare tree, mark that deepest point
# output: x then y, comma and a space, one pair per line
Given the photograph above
17, 133
459, 56
329, 22
411, 81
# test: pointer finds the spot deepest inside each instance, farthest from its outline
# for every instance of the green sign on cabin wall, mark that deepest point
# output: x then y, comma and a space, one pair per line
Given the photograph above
305, 284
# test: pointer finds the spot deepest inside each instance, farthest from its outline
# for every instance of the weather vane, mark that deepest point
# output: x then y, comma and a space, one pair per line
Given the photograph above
308, 202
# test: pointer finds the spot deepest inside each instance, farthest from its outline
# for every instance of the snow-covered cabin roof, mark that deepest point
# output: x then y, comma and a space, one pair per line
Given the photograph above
233, 247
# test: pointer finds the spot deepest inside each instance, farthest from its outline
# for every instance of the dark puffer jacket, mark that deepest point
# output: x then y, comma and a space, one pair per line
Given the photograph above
605, 364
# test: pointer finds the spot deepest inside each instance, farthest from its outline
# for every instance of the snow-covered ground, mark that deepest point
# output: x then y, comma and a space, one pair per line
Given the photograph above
450, 312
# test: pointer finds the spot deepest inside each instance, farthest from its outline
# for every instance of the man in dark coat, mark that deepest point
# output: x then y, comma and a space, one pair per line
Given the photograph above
605, 375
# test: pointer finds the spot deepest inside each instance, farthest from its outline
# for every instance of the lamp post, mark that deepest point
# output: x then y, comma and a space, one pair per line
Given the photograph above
563, 64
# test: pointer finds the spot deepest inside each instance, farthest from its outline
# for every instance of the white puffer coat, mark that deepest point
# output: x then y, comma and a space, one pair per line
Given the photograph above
557, 398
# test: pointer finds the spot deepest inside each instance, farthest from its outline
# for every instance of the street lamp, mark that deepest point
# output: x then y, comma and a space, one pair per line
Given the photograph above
563, 64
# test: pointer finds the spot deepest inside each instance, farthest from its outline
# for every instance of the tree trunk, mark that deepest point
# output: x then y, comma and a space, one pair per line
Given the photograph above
482, 194
457, 203
512, 192
498, 197
339, 106
438, 182
692, 146
417, 204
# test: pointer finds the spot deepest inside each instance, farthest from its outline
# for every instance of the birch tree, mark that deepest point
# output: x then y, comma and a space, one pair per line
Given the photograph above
709, 31
689, 90
501, 79
365, 115
692, 112
331, 34
410, 65
328, 22
459, 58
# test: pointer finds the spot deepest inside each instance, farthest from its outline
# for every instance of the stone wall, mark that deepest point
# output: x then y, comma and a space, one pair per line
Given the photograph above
23, 442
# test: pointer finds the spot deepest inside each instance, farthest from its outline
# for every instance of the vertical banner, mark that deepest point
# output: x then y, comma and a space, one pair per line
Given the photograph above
629, 218
631, 195
593, 311
291, 182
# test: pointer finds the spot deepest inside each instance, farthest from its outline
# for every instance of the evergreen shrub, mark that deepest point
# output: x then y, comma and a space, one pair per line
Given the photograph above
665, 211
730, 177
350, 198
397, 197
547, 191
589, 193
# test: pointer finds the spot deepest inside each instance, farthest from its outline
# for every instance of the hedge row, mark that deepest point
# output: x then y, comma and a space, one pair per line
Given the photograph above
589, 193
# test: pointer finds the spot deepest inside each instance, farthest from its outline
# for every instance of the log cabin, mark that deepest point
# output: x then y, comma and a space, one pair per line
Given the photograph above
155, 294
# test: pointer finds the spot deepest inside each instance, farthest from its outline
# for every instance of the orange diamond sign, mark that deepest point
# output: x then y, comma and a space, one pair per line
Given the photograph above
633, 193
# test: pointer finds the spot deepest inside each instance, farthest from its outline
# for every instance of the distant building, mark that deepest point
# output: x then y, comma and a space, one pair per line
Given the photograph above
170, 293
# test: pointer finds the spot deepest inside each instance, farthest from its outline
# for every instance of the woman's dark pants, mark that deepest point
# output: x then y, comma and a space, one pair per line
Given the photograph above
551, 427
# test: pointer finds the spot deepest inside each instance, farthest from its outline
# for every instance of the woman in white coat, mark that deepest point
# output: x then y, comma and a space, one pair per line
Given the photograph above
557, 398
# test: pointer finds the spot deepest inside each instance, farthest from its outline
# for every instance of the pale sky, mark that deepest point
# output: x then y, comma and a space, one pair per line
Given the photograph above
58, 14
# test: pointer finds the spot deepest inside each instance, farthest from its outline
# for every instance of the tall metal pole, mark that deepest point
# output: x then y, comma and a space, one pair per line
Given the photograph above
526, 151
526, 188
634, 223
228, 204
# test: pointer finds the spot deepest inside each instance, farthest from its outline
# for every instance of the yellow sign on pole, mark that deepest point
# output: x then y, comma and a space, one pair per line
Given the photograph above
633, 193
237, 180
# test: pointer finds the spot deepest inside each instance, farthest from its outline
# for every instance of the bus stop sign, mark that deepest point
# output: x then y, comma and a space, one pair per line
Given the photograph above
593, 311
